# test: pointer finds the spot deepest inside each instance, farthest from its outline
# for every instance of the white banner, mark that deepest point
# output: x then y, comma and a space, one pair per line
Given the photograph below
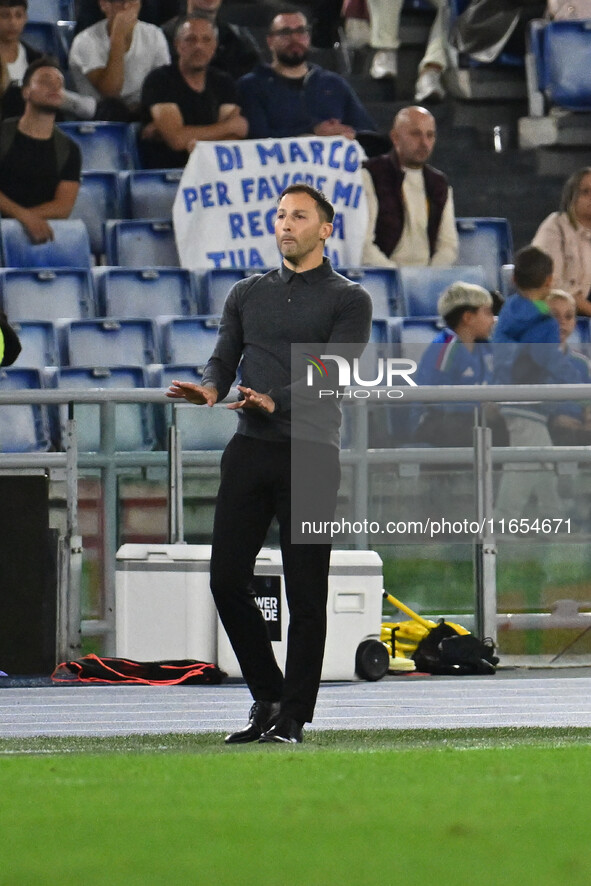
225, 206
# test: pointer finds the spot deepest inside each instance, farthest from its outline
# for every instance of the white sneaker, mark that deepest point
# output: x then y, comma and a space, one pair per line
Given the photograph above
383, 64
429, 86
357, 33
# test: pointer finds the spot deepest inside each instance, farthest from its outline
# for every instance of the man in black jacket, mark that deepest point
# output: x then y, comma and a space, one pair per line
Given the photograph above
303, 301
39, 164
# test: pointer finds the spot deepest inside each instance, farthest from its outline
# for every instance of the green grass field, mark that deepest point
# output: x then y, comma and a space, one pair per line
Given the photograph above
459, 808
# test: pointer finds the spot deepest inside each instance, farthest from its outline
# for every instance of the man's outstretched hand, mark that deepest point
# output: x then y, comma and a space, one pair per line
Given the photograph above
188, 390
206, 396
253, 400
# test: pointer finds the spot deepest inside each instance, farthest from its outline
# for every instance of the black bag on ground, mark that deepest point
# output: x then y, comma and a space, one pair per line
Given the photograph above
445, 651
93, 669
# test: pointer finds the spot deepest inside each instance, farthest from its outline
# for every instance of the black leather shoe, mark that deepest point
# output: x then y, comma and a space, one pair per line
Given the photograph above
285, 731
263, 715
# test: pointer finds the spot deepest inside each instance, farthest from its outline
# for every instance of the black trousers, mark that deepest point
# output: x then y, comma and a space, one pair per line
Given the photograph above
256, 486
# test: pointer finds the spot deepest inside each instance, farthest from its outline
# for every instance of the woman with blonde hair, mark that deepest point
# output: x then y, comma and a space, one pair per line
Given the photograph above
566, 237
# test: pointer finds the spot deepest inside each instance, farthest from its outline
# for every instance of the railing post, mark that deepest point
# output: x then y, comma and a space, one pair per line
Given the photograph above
485, 552
72, 551
360, 442
176, 521
109, 519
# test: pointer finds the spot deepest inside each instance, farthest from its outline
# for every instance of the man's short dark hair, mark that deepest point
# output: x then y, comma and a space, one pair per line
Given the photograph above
286, 10
452, 320
532, 268
198, 15
14, 3
325, 207
46, 61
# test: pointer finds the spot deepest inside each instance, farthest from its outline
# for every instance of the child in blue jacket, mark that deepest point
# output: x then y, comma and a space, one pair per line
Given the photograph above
527, 351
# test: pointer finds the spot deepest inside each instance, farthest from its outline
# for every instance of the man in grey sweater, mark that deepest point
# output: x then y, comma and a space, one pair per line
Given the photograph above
303, 301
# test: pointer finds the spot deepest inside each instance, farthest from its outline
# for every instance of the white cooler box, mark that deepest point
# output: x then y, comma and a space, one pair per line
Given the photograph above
164, 607
355, 588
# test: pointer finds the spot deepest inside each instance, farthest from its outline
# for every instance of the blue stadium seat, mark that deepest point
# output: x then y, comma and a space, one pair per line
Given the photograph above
99, 199
420, 5
582, 332
535, 40
146, 292
50, 294
189, 341
106, 147
487, 242
70, 247
383, 284
413, 334
110, 343
23, 427
421, 287
141, 243
39, 344
200, 429
151, 192
51, 10
565, 48
214, 285
134, 422
49, 38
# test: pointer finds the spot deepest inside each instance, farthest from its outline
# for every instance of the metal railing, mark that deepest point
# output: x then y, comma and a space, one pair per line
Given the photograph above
110, 462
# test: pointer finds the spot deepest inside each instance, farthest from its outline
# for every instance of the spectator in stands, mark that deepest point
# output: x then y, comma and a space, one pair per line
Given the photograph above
39, 165
356, 23
237, 52
292, 97
10, 346
411, 216
527, 351
566, 236
188, 101
156, 12
385, 23
571, 10
15, 57
111, 59
459, 355
15, 54
570, 421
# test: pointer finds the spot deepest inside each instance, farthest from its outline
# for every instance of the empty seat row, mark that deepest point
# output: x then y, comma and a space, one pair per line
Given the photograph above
54, 294
184, 340
138, 426
150, 292
558, 65
129, 243
111, 342
144, 194
484, 243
